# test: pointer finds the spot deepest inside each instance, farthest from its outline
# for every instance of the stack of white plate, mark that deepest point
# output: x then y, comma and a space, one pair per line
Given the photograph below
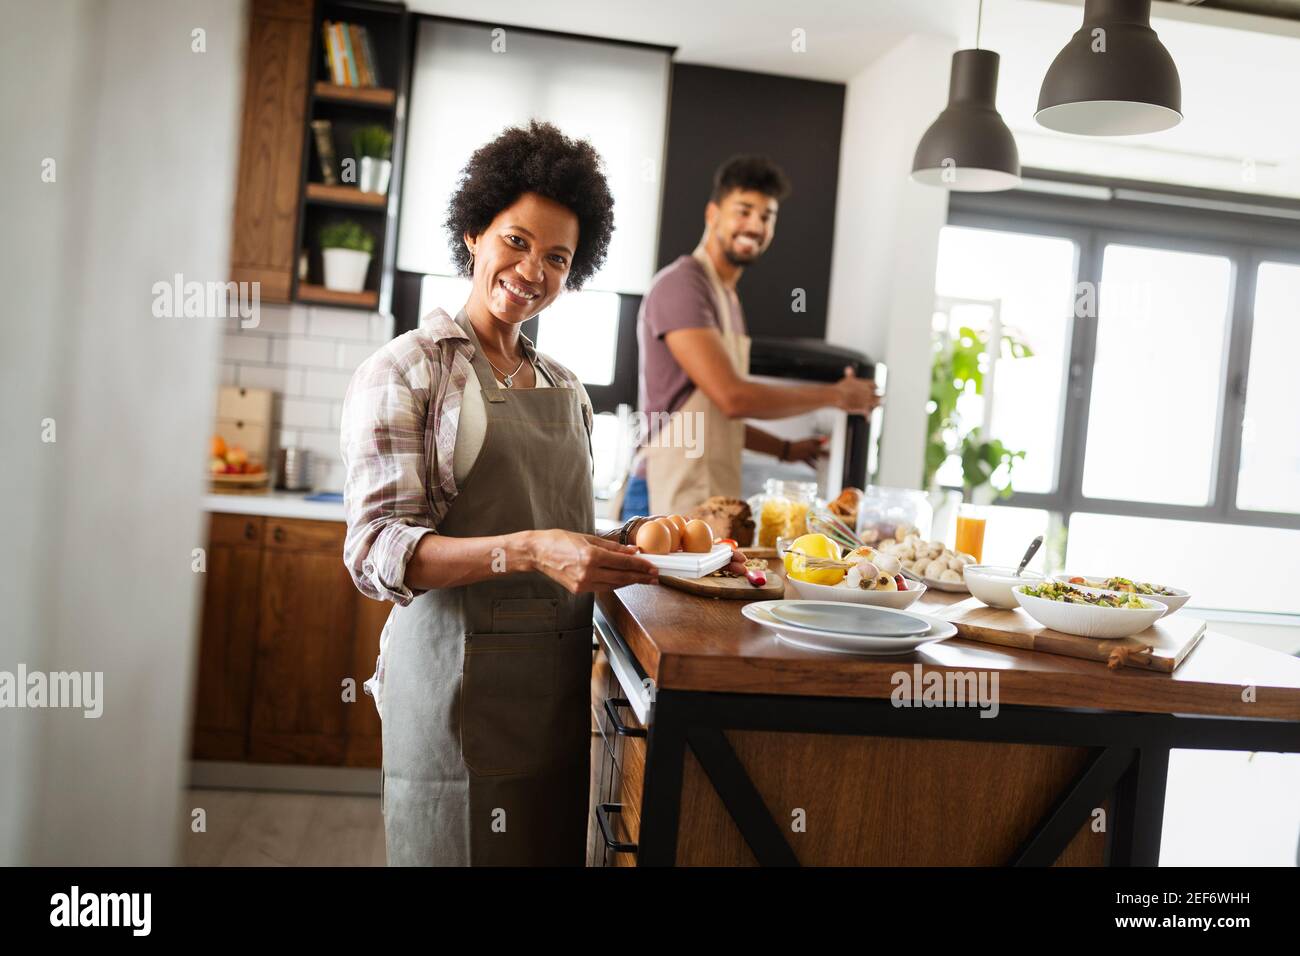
848, 628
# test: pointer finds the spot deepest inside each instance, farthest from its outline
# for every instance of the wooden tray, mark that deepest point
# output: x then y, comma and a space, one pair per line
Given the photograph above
733, 589
1161, 647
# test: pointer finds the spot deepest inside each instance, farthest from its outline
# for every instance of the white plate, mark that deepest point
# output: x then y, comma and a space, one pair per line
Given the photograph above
855, 619
1172, 601
992, 584
683, 564
757, 612
898, 600
1087, 620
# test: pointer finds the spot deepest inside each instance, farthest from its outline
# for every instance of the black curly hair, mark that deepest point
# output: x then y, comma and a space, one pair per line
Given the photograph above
535, 159
750, 172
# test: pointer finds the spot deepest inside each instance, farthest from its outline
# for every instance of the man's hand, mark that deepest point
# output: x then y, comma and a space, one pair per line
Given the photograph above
857, 396
807, 450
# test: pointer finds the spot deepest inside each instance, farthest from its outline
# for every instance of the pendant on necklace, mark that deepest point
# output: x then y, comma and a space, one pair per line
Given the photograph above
508, 381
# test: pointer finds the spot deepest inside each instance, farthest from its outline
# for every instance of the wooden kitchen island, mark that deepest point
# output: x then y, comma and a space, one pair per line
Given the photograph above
716, 744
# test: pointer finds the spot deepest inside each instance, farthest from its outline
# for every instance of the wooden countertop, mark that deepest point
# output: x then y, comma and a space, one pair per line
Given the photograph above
702, 644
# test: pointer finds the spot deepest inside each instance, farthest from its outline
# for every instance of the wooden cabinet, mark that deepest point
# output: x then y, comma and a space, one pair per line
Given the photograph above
271, 146
231, 587
283, 628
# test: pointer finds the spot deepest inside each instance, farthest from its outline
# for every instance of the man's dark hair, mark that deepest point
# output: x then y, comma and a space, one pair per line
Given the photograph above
757, 173
535, 159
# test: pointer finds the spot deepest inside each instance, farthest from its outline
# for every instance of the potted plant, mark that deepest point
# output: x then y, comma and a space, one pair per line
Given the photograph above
345, 250
373, 148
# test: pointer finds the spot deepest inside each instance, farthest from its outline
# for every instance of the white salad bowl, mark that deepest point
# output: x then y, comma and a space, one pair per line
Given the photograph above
993, 584
897, 600
1172, 601
1087, 620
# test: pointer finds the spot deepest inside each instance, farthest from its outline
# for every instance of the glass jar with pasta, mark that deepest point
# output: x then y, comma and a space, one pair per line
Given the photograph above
781, 510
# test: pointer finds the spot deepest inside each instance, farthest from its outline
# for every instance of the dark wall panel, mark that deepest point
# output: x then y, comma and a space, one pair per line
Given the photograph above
716, 113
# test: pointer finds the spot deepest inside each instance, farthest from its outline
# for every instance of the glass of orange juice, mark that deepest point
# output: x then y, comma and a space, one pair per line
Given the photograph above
970, 532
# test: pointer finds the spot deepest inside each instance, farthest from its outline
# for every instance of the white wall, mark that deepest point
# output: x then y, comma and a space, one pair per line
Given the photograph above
99, 525
887, 239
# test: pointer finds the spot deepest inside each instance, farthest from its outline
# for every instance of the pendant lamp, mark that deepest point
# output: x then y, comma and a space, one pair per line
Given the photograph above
1114, 77
969, 148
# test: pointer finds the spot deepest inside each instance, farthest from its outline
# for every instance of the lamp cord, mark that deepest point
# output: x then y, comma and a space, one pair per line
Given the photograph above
979, 19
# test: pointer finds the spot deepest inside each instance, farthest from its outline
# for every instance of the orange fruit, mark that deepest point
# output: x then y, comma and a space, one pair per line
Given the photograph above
218, 447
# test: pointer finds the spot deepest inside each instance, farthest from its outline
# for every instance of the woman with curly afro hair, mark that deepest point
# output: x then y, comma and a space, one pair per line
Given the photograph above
469, 506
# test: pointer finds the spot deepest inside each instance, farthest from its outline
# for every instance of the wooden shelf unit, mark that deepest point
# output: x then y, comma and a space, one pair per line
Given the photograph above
355, 95
345, 196
347, 108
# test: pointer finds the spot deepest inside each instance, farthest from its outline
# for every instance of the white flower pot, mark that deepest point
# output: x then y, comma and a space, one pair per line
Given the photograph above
374, 174
345, 269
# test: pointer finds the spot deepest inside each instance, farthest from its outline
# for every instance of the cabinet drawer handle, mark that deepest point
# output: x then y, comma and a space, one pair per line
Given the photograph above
603, 810
250, 531
620, 728
278, 534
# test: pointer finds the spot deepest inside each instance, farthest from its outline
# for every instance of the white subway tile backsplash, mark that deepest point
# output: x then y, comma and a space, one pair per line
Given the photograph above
283, 319
242, 347
340, 324
306, 413
350, 355
319, 383
322, 443
297, 350
229, 373
278, 378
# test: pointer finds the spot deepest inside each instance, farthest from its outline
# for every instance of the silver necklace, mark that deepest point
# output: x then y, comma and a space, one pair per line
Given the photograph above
507, 379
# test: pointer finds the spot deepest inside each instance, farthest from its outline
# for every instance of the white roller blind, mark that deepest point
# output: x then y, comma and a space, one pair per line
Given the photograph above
464, 94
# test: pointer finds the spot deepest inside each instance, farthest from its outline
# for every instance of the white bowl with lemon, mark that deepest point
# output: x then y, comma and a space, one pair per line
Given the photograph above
820, 583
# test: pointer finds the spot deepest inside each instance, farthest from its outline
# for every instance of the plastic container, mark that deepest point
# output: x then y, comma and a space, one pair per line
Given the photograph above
781, 510
891, 514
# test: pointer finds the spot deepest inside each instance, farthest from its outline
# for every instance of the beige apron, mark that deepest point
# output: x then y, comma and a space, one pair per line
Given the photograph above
487, 713
680, 477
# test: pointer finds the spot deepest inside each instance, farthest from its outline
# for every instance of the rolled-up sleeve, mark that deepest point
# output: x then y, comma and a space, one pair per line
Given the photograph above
382, 440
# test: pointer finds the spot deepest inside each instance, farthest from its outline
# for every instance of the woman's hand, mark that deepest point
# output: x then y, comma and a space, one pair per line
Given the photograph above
582, 562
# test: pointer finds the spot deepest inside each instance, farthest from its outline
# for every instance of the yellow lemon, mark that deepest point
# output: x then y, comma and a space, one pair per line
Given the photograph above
813, 546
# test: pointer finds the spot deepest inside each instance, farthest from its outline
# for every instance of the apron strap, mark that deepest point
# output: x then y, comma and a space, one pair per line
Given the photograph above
492, 391
719, 291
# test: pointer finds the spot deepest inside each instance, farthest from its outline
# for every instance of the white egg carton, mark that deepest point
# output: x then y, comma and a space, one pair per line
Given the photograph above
683, 564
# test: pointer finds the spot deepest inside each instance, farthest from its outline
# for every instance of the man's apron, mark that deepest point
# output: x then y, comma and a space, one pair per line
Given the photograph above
487, 694
680, 478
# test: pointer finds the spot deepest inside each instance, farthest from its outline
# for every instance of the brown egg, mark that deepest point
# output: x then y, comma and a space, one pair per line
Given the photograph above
698, 538
674, 531
654, 538
678, 522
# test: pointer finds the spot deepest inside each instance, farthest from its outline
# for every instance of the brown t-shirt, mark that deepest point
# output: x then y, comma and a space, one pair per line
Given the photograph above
680, 297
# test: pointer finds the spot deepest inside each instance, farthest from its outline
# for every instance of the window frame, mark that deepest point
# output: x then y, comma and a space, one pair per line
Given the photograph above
1245, 240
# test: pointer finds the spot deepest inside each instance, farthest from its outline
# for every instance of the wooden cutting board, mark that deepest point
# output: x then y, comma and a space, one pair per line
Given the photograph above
733, 589
1161, 647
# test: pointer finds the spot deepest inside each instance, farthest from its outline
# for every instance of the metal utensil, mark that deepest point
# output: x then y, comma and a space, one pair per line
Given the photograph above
1029, 553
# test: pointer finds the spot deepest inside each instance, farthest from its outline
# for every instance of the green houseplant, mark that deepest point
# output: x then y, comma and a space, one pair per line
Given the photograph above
960, 363
346, 247
373, 148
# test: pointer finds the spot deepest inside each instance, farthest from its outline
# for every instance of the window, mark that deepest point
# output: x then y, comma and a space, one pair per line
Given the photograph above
1161, 337
471, 81
580, 331
1269, 479
1019, 286
1167, 400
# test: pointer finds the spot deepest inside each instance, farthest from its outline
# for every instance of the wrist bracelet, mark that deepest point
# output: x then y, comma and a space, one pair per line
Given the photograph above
627, 526
785, 450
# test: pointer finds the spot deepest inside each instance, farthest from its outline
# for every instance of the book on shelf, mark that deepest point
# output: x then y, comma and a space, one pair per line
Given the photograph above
349, 54
324, 132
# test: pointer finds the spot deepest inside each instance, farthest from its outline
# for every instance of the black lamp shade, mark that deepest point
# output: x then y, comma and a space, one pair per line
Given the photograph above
1130, 87
969, 148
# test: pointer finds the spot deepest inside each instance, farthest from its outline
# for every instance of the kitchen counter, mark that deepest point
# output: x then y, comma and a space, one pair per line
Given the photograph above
294, 504
273, 504
741, 731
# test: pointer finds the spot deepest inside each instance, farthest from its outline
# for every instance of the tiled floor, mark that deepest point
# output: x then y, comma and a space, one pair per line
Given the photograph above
257, 828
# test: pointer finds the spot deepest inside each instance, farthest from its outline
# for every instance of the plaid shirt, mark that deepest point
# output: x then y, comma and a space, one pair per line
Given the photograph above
398, 436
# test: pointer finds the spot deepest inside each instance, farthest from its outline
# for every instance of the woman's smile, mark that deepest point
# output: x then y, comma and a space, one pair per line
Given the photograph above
517, 292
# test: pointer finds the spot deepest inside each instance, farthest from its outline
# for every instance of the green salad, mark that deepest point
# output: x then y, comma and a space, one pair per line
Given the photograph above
1057, 591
